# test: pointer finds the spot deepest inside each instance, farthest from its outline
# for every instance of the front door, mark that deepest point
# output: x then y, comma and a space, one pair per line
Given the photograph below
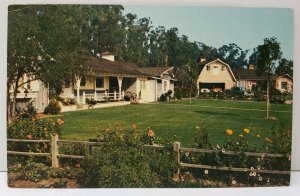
143, 89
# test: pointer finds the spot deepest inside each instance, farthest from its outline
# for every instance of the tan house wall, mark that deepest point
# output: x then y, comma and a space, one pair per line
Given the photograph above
216, 75
247, 84
289, 82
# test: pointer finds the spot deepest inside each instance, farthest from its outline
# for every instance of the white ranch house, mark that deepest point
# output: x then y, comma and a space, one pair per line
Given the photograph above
112, 79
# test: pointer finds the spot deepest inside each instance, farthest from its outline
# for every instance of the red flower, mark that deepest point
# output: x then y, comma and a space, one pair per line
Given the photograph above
77, 165
60, 121
29, 136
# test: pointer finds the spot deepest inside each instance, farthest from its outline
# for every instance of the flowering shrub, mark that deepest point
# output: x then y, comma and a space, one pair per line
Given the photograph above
124, 161
30, 129
238, 142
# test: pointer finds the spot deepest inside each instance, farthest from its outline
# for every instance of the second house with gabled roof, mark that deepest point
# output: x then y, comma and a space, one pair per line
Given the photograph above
217, 76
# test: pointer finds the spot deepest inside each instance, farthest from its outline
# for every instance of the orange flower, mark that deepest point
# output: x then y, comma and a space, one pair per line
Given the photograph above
229, 132
247, 131
29, 136
133, 126
151, 133
60, 121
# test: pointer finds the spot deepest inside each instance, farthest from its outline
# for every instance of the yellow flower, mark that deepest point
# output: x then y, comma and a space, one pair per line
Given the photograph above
258, 136
247, 131
241, 135
268, 140
229, 132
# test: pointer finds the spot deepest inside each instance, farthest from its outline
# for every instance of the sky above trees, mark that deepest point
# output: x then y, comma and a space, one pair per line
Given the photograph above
216, 26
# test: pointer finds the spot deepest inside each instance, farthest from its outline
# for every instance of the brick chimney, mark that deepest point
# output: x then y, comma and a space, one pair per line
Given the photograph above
202, 60
251, 66
108, 56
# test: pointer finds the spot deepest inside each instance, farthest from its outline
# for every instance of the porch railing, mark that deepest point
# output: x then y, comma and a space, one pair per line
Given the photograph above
115, 96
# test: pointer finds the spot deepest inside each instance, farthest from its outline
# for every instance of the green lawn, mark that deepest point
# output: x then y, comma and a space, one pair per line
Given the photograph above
180, 118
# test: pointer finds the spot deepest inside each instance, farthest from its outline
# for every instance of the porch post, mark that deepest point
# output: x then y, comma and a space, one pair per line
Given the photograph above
78, 79
120, 79
95, 95
83, 97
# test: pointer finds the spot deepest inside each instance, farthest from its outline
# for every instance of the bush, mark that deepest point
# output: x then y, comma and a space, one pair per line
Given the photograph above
91, 101
54, 107
32, 129
124, 162
34, 172
166, 96
30, 112
66, 100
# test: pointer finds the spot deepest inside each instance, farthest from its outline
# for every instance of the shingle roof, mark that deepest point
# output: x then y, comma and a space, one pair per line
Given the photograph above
247, 74
105, 66
154, 71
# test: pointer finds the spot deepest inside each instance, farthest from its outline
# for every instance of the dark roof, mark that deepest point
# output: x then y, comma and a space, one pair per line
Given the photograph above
113, 67
284, 75
154, 71
247, 74
108, 67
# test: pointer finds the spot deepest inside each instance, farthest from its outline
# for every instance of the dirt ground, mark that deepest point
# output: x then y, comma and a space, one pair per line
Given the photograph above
13, 182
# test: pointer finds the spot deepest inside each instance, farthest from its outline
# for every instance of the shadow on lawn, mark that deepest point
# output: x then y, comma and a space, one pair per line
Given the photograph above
216, 113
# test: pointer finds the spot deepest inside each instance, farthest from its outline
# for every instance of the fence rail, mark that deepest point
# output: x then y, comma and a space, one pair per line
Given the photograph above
54, 153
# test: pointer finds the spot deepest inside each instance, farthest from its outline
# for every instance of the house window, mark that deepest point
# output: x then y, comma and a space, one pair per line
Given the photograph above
207, 67
82, 81
223, 68
284, 85
215, 70
165, 86
99, 82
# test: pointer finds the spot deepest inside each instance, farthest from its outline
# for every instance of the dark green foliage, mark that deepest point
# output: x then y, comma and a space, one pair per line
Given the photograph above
166, 96
284, 67
91, 101
124, 162
66, 101
34, 172
54, 107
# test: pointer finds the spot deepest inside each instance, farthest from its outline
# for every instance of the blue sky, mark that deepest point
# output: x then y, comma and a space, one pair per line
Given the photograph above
216, 26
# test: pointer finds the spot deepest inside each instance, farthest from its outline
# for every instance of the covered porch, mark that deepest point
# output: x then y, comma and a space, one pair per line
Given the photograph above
104, 88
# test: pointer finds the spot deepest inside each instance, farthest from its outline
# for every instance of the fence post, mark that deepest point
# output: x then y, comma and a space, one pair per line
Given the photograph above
54, 150
176, 149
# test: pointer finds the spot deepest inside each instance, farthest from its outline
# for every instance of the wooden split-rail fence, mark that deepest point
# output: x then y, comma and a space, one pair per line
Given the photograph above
55, 155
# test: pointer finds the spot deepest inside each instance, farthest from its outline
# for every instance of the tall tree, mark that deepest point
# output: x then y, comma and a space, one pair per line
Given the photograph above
188, 76
136, 46
268, 56
107, 32
233, 55
284, 67
45, 43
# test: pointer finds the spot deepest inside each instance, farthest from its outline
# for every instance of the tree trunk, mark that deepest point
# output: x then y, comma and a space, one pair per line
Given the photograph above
190, 96
268, 96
